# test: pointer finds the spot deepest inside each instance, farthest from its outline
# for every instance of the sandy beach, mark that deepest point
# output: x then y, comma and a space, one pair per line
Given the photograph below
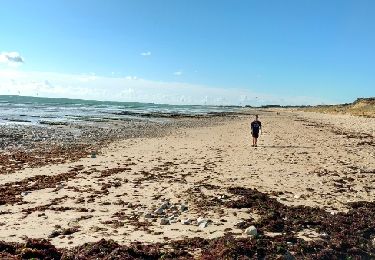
187, 183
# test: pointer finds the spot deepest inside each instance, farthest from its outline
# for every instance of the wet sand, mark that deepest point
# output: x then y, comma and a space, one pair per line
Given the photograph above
142, 189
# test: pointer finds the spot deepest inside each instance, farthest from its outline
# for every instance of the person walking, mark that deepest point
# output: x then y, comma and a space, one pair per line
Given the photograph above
256, 128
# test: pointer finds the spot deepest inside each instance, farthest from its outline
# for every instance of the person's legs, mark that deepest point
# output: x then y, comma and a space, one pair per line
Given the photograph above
255, 139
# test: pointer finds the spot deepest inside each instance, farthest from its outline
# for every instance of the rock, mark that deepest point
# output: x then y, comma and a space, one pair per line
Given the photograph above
183, 207
164, 221
60, 186
24, 193
148, 215
251, 231
165, 205
201, 220
297, 196
171, 217
54, 234
186, 221
159, 211
203, 224
373, 242
241, 224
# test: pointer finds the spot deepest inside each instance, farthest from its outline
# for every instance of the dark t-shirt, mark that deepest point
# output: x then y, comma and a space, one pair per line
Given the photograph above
255, 126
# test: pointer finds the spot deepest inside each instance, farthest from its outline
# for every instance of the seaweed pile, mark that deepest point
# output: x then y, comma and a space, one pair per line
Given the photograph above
341, 236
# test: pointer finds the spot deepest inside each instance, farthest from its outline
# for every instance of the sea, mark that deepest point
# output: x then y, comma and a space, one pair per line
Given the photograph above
27, 110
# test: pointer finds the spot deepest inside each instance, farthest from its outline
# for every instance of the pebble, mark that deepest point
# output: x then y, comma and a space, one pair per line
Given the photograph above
60, 186
159, 211
165, 205
24, 193
186, 221
251, 231
203, 224
148, 215
164, 221
183, 207
201, 220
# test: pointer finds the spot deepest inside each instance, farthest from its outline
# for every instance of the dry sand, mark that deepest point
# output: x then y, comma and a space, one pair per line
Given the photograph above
302, 159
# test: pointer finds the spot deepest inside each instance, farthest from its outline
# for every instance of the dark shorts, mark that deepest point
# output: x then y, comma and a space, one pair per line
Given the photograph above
256, 135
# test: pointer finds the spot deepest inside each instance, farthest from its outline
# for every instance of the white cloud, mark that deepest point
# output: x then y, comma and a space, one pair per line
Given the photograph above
11, 58
177, 73
130, 77
146, 53
132, 89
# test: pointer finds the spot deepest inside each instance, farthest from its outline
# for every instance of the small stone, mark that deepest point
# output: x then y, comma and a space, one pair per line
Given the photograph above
251, 231
24, 193
164, 221
203, 224
186, 221
54, 234
148, 215
201, 220
159, 211
297, 196
165, 205
183, 207
171, 217
240, 224
60, 186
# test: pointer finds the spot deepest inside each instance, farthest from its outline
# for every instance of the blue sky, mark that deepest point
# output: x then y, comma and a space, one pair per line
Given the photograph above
186, 51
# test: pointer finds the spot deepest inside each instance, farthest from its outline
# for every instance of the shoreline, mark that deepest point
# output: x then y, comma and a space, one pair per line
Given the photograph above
208, 168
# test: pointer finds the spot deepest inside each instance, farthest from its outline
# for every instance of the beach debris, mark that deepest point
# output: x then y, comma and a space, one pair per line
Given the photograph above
251, 231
